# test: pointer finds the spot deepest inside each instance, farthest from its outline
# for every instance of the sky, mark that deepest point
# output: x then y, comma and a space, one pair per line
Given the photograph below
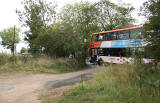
8, 17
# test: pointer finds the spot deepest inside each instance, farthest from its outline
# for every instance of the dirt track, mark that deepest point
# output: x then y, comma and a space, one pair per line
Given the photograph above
25, 88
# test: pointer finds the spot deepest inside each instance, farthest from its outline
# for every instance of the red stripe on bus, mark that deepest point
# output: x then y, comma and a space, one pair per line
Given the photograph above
118, 30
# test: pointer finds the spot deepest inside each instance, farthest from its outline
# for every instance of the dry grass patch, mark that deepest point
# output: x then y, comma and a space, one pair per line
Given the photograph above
54, 95
42, 64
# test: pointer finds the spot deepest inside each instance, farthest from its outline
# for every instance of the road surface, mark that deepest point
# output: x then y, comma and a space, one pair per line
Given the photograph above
25, 88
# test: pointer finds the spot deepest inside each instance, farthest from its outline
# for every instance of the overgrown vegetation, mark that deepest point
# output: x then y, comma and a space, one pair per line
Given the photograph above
116, 84
151, 10
41, 64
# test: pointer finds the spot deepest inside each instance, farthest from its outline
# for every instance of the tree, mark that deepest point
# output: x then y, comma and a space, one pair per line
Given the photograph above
151, 9
112, 16
23, 50
37, 14
58, 40
7, 36
82, 17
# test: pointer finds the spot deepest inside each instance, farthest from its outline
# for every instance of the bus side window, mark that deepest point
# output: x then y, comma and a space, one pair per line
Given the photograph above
111, 36
135, 34
123, 35
105, 36
100, 37
92, 52
100, 51
117, 35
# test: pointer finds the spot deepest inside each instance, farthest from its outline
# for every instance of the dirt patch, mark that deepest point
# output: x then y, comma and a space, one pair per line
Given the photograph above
26, 88
13, 75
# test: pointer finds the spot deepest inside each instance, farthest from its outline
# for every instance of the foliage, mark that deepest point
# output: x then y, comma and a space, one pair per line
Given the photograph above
151, 9
66, 65
23, 50
7, 36
58, 40
112, 16
37, 14
116, 84
3, 59
66, 37
82, 17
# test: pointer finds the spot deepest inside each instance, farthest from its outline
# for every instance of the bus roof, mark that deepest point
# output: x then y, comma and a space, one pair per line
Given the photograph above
118, 30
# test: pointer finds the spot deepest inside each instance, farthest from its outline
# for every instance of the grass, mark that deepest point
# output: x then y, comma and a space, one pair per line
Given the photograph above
116, 84
36, 65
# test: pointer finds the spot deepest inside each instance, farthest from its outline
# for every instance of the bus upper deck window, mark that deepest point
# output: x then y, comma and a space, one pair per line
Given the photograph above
135, 34
101, 37
111, 36
123, 34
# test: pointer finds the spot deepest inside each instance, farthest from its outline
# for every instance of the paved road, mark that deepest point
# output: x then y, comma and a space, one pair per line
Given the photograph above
25, 88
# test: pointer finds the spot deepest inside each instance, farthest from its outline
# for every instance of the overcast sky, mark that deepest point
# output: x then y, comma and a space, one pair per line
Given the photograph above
8, 17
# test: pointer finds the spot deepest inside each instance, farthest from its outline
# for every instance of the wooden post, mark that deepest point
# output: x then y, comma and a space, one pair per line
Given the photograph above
14, 39
81, 79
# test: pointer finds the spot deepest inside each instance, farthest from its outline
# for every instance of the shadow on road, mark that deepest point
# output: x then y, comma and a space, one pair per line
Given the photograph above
66, 82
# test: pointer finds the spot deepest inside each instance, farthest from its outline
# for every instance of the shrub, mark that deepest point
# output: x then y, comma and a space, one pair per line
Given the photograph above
3, 59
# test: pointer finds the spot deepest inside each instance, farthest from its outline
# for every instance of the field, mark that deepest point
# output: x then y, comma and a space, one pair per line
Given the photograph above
114, 84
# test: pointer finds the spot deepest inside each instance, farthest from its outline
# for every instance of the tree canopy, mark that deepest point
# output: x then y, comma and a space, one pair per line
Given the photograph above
8, 40
151, 9
37, 14
112, 16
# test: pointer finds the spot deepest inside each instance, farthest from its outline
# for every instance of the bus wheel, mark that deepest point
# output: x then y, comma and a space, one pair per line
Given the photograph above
100, 62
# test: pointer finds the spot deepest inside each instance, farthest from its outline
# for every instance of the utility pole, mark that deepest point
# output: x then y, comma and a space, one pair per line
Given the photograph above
14, 40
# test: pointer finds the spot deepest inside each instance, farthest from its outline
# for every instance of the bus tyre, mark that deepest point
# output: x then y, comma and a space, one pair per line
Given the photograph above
100, 62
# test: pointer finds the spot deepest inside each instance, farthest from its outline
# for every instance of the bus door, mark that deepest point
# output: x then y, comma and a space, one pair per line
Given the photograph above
94, 54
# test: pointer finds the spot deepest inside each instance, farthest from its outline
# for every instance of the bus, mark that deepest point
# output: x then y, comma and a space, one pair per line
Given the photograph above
116, 46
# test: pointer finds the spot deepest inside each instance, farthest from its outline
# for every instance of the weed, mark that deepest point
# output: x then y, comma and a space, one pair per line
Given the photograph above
117, 84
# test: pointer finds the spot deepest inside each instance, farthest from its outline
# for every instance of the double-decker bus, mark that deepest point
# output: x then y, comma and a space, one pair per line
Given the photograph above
116, 46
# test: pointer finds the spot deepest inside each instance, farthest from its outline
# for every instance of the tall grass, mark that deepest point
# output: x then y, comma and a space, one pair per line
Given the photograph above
41, 64
116, 84
3, 58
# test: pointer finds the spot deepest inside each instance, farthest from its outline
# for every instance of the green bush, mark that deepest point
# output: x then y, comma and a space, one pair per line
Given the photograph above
25, 58
13, 59
66, 65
